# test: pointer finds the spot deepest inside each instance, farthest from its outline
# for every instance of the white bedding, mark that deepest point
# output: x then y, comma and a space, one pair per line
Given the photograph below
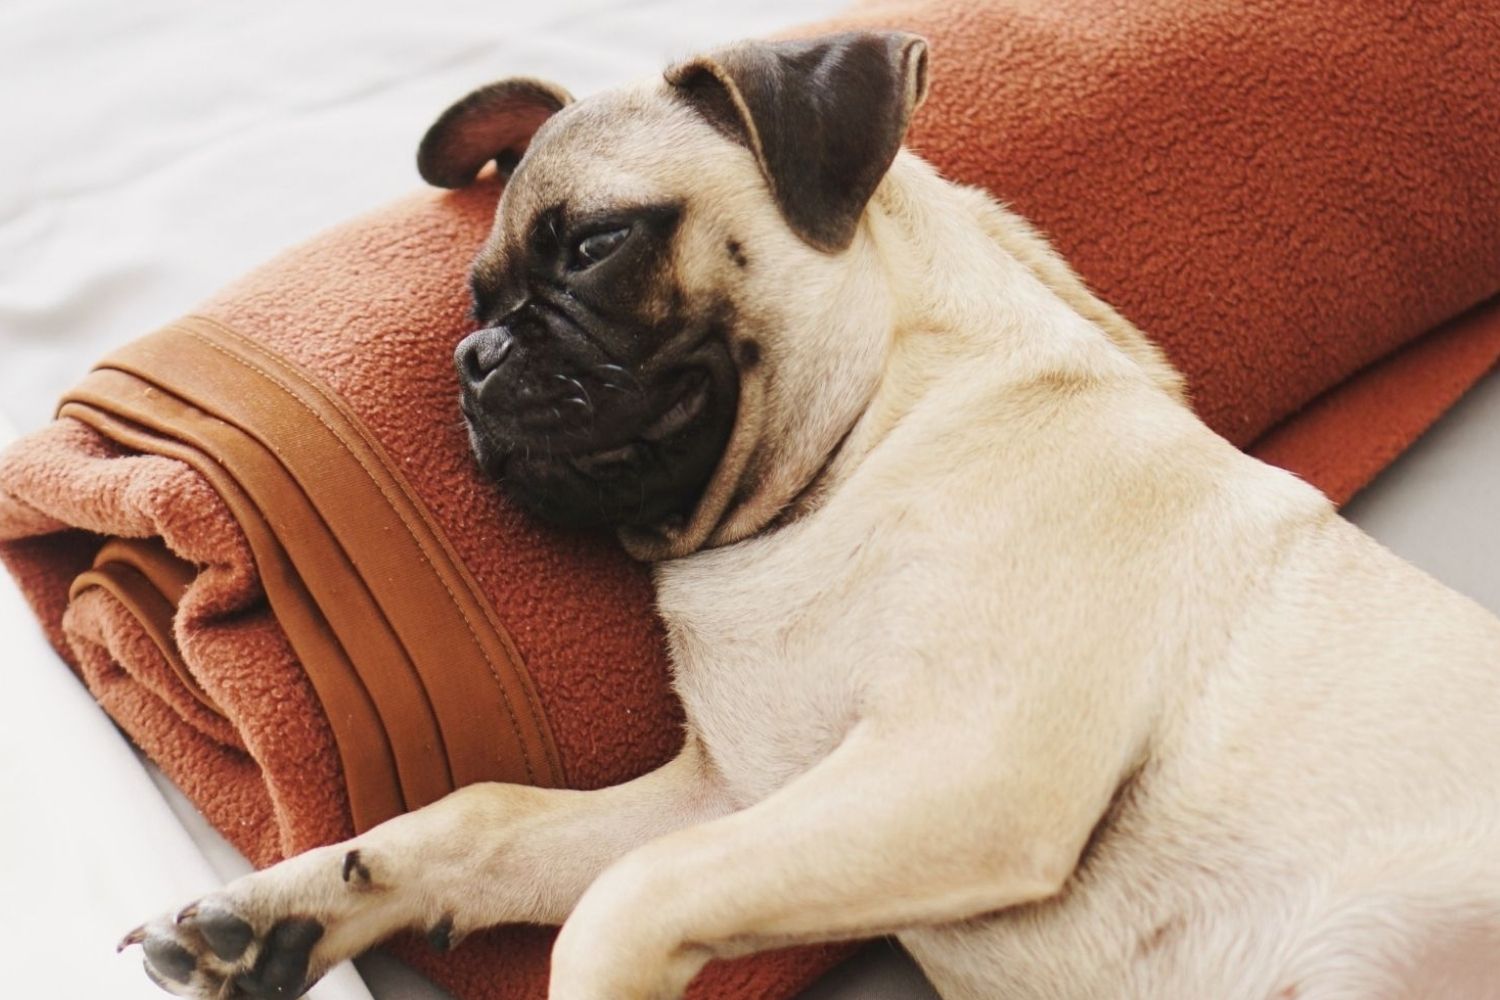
154, 150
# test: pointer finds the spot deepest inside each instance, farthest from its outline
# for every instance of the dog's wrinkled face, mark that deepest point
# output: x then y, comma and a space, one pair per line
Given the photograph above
598, 389
628, 286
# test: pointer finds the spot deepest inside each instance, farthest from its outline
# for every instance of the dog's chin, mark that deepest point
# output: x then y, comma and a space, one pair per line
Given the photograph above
654, 476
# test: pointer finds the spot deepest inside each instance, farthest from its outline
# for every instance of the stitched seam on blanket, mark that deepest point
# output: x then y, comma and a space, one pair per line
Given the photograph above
537, 716
405, 523
105, 416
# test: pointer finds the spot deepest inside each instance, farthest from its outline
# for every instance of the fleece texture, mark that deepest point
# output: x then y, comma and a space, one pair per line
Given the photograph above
1286, 196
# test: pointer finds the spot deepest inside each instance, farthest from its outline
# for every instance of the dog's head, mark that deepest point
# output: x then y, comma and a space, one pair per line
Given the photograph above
676, 311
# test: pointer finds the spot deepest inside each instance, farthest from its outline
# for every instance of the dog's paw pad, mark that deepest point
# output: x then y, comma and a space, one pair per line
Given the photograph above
169, 959
280, 970
226, 933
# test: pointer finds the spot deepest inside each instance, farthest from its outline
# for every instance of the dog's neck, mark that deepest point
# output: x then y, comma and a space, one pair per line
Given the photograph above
974, 286
983, 289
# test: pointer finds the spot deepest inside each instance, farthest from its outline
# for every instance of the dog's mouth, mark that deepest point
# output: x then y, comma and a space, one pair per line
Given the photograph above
689, 402
641, 454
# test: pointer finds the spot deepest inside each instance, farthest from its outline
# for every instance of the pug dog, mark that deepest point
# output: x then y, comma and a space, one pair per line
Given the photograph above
984, 639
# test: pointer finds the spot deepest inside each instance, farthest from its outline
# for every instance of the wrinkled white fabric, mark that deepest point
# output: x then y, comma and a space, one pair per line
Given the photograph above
154, 150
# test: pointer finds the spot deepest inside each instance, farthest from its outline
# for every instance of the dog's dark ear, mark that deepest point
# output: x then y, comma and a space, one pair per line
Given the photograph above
496, 121
824, 117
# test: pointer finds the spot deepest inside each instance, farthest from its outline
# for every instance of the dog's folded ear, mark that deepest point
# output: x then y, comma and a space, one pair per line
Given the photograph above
494, 122
824, 118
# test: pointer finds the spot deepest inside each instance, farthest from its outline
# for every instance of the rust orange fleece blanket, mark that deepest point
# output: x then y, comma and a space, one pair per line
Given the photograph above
258, 537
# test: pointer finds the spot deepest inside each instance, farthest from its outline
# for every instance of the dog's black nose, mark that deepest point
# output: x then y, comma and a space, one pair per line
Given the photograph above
481, 353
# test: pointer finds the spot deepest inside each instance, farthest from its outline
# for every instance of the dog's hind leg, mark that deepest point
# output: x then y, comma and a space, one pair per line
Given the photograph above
484, 855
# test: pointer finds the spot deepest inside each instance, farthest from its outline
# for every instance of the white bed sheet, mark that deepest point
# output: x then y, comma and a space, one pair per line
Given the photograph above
156, 149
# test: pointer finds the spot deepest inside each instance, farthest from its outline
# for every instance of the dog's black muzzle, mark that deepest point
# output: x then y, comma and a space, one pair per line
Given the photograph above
580, 439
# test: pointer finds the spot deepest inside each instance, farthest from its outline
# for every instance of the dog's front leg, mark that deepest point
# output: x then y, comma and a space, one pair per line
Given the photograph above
484, 855
877, 837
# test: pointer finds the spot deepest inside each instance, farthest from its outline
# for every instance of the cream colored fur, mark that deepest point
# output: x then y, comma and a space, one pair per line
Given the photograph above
993, 645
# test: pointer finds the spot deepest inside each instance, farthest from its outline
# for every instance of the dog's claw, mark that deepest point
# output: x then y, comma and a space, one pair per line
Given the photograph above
134, 937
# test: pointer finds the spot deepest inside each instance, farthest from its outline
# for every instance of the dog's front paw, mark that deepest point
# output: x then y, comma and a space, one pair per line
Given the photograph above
209, 950
268, 935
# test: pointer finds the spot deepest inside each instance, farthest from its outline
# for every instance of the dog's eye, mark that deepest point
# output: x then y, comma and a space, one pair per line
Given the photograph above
596, 246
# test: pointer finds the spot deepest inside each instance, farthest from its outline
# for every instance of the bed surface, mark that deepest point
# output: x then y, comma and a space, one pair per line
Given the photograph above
156, 150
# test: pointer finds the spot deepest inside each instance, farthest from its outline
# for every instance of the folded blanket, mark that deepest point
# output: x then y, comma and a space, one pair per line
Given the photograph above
258, 536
